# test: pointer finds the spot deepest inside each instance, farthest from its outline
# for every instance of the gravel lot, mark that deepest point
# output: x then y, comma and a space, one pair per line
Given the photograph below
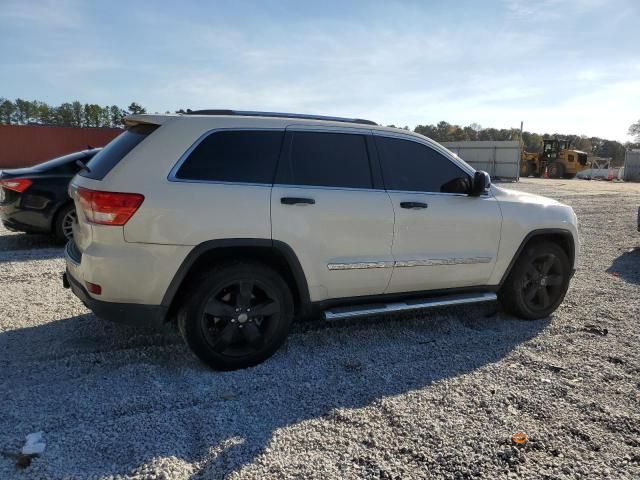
428, 396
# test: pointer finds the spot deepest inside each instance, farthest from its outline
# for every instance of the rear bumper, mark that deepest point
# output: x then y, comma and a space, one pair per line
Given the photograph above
127, 313
28, 213
16, 226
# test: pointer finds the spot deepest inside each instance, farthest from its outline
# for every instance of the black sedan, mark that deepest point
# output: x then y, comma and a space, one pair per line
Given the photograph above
35, 199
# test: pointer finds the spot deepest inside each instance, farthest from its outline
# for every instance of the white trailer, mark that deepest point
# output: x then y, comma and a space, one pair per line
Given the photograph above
501, 159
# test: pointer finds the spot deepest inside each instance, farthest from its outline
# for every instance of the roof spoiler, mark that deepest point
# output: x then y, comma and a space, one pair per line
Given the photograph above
145, 119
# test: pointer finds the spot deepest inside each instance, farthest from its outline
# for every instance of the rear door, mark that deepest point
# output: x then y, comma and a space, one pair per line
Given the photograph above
330, 207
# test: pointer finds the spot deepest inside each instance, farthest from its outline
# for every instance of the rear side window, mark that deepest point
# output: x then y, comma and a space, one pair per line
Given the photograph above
116, 150
411, 166
234, 156
326, 159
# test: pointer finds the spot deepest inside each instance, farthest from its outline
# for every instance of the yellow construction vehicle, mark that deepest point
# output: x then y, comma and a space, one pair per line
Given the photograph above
558, 159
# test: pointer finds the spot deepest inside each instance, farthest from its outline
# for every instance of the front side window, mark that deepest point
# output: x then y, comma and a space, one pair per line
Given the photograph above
326, 159
234, 156
412, 166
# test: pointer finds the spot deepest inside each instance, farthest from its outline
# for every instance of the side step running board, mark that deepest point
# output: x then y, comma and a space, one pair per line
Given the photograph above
414, 304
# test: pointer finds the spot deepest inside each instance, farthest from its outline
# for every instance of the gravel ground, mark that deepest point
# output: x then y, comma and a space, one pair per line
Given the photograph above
436, 395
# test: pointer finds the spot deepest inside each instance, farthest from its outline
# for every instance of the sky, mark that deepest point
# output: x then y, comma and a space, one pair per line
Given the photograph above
566, 66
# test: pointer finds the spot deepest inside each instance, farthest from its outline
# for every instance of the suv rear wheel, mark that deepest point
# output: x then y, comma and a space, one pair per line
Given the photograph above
538, 281
237, 316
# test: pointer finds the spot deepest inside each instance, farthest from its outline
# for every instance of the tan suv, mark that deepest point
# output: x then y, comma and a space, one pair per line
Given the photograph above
233, 223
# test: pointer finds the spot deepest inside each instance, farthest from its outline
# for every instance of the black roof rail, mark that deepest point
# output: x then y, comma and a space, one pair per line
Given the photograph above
245, 113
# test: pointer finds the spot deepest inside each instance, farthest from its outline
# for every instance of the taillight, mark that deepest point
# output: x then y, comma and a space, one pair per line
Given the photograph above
16, 184
94, 288
108, 208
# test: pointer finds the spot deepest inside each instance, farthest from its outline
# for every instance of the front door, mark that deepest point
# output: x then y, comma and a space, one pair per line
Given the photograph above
325, 205
443, 238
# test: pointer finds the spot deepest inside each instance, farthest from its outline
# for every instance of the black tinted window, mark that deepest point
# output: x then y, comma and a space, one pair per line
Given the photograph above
327, 159
411, 166
234, 156
116, 150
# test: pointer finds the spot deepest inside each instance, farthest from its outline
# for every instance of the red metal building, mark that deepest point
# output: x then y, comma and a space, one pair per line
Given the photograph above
26, 145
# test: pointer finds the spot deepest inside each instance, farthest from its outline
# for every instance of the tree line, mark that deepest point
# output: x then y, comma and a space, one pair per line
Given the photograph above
70, 114
77, 114
532, 142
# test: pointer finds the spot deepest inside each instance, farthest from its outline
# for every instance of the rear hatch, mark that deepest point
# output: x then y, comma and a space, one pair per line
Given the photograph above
95, 179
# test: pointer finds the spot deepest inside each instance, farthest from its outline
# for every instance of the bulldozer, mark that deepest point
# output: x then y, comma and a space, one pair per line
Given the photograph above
557, 159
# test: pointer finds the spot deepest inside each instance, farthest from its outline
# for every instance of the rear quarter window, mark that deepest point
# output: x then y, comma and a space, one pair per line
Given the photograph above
100, 165
243, 156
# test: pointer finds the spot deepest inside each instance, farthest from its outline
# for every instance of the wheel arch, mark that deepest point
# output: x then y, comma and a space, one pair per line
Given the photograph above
273, 253
564, 238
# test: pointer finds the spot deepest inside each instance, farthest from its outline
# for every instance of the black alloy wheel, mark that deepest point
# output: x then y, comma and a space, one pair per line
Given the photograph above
538, 281
542, 282
240, 318
236, 315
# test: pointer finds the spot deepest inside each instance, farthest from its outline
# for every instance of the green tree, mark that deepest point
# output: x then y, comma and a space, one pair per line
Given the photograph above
45, 114
7, 110
25, 111
105, 116
66, 115
116, 114
92, 115
135, 109
583, 143
78, 119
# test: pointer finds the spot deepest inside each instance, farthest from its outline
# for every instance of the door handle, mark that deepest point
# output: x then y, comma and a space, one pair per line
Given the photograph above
297, 201
413, 205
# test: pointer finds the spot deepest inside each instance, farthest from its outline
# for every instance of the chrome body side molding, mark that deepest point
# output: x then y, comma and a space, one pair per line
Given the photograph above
430, 262
359, 265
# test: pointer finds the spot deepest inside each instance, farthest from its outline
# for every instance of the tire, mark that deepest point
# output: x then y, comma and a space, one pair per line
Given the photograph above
538, 281
62, 223
526, 169
237, 315
555, 170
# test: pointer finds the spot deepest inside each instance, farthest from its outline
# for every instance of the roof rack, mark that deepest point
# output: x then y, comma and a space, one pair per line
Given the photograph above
244, 113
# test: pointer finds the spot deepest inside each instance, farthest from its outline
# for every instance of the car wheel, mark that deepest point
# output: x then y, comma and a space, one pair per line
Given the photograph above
63, 228
237, 315
527, 169
538, 281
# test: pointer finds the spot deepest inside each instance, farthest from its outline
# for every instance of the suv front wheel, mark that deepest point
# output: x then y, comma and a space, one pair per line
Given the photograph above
538, 281
237, 315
